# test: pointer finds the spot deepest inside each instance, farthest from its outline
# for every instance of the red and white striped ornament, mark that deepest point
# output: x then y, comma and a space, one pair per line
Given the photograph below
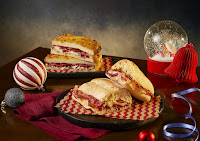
30, 73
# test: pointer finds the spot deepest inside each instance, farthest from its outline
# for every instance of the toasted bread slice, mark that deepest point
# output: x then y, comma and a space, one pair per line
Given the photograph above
52, 58
78, 65
85, 44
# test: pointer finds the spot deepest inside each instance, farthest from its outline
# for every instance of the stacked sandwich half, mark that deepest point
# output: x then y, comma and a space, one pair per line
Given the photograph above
73, 54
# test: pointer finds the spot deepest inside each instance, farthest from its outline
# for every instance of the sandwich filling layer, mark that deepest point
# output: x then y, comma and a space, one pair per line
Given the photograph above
124, 79
65, 66
74, 51
98, 105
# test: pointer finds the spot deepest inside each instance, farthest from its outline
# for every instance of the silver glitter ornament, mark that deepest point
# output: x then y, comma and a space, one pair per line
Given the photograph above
14, 97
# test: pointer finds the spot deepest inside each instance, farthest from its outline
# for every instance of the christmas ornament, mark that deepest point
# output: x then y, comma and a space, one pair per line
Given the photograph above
14, 97
183, 67
187, 116
146, 135
30, 73
161, 42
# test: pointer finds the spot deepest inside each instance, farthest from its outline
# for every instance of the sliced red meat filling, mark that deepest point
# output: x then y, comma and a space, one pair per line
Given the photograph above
68, 49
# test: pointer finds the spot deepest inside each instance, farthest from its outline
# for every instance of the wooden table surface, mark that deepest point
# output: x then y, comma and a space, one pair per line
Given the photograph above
13, 128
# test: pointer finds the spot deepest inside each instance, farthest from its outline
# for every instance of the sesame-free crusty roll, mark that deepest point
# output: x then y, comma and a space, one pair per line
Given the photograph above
131, 77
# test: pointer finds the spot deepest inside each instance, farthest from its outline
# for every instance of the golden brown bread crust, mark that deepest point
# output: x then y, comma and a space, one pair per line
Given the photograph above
80, 42
136, 91
98, 61
133, 71
52, 58
137, 83
105, 89
113, 88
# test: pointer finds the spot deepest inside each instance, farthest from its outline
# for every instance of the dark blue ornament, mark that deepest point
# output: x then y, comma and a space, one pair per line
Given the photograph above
14, 97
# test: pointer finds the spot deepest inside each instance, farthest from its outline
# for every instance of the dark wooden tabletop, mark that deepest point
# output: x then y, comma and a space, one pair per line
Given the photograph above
13, 128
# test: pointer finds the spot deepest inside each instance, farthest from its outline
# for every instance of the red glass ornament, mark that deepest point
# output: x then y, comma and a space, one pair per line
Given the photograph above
183, 67
146, 135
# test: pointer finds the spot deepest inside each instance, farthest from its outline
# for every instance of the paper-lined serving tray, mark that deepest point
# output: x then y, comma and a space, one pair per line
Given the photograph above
106, 65
76, 114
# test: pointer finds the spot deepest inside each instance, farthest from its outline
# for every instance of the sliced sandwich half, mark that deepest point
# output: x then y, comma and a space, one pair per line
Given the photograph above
70, 64
102, 95
76, 46
131, 77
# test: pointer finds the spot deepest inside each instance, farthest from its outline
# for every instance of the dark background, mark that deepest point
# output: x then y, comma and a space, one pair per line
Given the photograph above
119, 25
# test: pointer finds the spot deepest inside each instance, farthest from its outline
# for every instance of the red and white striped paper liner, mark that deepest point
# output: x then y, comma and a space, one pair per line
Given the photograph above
106, 65
30, 73
138, 111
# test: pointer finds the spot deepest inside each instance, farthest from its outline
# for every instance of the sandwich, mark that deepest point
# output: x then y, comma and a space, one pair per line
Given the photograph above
58, 63
131, 77
79, 47
102, 95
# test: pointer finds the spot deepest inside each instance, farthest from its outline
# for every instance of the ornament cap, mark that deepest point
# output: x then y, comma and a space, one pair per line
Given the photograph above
190, 46
41, 88
3, 104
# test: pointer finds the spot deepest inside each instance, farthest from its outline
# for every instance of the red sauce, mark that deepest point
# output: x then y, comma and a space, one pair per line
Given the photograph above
68, 49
